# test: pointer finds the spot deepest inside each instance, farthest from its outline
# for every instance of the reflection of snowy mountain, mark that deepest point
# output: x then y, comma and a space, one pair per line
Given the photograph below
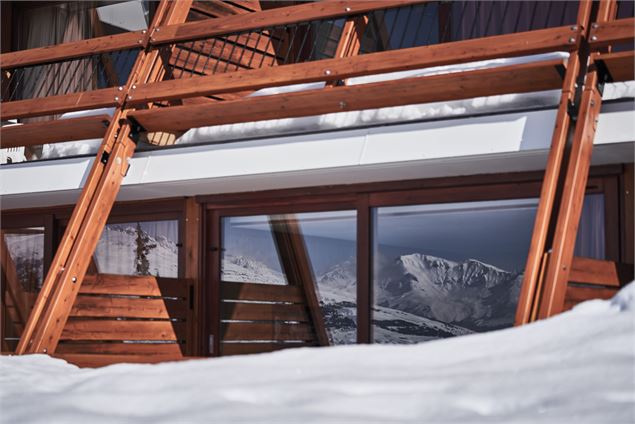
116, 253
27, 253
247, 270
470, 294
417, 297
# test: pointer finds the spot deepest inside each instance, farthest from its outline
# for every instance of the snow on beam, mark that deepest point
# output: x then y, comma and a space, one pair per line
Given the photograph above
520, 78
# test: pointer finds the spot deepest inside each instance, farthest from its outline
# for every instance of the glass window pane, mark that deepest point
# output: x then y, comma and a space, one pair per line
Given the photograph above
26, 250
451, 269
138, 248
272, 249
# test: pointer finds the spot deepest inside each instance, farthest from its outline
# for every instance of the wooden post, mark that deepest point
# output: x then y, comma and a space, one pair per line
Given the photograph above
192, 245
543, 224
559, 266
68, 268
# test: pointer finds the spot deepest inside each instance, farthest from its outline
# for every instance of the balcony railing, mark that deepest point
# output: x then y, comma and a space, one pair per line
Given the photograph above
210, 67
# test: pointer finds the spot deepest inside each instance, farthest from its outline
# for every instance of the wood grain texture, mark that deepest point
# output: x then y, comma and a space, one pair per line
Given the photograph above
341, 68
603, 273
135, 285
57, 131
58, 52
279, 16
575, 295
53, 105
487, 82
150, 349
97, 329
250, 348
127, 307
102, 360
612, 32
620, 65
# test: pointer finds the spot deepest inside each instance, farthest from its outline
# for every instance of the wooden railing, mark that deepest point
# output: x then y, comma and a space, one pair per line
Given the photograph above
285, 37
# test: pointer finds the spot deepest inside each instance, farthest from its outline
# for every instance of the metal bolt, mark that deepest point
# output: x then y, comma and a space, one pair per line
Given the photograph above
144, 31
134, 86
342, 105
157, 30
574, 27
129, 97
140, 41
120, 88
594, 38
594, 25
571, 40
116, 98
592, 103
74, 279
44, 350
348, 9
327, 72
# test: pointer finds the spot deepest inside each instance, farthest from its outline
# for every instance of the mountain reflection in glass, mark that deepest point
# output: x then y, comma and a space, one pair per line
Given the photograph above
253, 251
445, 270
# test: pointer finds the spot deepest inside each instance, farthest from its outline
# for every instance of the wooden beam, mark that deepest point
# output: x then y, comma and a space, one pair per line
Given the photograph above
575, 295
485, 82
297, 267
53, 105
600, 272
537, 256
95, 360
60, 130
75, 49
559, 265
268, 18
612, 32
398, 60
619, 65
67, 271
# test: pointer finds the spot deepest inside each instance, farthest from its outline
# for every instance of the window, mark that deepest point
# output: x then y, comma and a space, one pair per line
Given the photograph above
138, 248
444, 270
273, 249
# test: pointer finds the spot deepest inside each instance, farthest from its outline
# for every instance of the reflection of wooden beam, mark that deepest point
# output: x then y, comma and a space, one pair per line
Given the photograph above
297, 267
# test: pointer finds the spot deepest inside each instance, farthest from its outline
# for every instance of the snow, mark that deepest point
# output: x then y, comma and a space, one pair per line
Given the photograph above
576, 367
340, 120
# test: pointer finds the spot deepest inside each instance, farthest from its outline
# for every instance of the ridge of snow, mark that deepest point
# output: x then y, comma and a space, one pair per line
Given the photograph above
575, 367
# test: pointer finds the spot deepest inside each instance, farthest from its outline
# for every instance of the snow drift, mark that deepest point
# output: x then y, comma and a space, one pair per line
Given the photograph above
577, 367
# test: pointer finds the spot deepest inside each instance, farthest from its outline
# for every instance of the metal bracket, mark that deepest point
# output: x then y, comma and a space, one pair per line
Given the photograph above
135, 129
572, 110
104, 157
604, 75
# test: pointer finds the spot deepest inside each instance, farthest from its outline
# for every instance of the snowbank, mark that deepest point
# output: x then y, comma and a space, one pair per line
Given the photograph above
577, 367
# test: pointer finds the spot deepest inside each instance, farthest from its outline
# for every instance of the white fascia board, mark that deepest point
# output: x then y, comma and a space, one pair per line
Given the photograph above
460, 146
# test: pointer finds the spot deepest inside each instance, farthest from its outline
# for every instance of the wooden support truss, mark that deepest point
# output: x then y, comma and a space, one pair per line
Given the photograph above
580, 79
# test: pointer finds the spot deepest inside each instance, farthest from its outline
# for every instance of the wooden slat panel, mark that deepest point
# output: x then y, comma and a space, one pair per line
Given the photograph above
121, 307
122, 330
48, 54
267, 331
604, 273
53, 105
249, 348
261, 292
286, 15
374, 63
264, 312
96, 360
619, 65
54, 131
575, 295
612, 32
137, 285
487, 82
121, 348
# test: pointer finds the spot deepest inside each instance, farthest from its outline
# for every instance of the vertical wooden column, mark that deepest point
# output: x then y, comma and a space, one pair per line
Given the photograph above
543, 224
559, 265
192, 246
68, 268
